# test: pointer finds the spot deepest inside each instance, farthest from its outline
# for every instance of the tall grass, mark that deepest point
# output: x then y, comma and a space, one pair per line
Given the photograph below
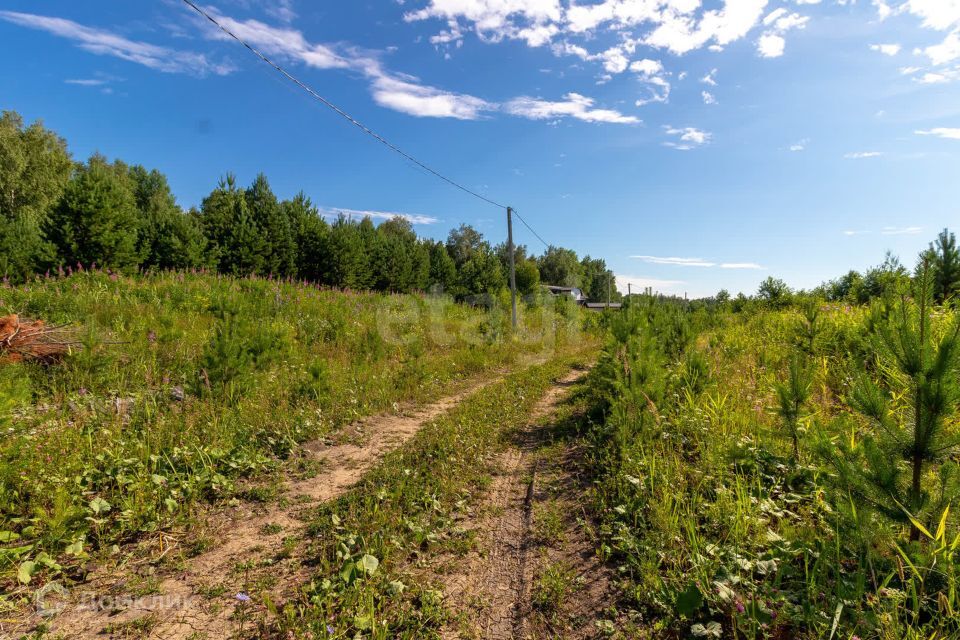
717, 497
188, 382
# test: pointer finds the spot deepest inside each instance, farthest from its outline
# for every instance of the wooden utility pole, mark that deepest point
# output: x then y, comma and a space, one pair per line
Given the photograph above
513, 269
609, 281
629, 290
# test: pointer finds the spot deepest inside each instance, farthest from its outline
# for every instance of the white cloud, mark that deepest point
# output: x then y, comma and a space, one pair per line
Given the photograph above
399, 92
87, 82
942, 132
677, 25
884, 10
687, 137
771, 45
901, 231
886, 49
710, 78
858, 155
534, 21
778, 22
940, 76
708, 98
282, 10
681, 262
697, 262
413, 218
946, 51
652, 75
574, 105
800, 145
936, 14
103, 42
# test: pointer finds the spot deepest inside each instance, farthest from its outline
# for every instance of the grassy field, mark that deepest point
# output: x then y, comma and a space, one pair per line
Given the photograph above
754, 471
184, 384
760, 471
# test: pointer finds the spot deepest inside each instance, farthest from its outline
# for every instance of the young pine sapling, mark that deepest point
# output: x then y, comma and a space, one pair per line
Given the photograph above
917, 395
792, 394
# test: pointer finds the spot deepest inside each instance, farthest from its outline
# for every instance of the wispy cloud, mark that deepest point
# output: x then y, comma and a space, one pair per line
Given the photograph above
573, 105
686, 137
103, 42
900, 231
413, 218
696, 262
399, 92
941, 132
87, 82
682, 262
859, 155
402, 92
886, 49
800, 145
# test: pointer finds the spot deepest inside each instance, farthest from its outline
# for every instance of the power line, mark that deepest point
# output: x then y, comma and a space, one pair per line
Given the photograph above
545, 243
354, 121
340, 111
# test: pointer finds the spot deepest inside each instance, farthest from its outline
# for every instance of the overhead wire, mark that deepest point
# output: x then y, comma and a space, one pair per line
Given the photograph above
337, 109
367, 130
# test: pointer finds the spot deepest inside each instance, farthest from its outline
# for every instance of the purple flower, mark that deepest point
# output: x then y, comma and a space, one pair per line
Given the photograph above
242, 597
330, 629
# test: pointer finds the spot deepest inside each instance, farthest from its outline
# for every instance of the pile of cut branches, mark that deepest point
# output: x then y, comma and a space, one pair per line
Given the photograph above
23, 339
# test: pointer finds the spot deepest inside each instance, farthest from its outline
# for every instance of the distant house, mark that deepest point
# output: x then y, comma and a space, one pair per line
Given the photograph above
573, 292
600, 306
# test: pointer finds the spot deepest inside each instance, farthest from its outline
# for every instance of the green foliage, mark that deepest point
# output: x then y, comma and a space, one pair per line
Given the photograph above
443, 270
311, 233
34, 170
479, 270
944, 259
598, 280
189, 382
238, 347
236, 241
714, 523
792, 393
279, 250
774, 292
97, 220
561, 267
169, 238
909, 406
403, 510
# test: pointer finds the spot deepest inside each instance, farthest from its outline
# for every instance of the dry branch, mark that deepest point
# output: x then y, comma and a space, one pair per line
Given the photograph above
23, 339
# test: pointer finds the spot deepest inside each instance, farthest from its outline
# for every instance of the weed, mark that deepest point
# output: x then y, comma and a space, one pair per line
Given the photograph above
555, 584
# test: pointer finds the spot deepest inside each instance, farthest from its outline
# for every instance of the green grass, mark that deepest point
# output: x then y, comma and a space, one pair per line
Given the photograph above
712, 522
556, 583
406, 508
188, 384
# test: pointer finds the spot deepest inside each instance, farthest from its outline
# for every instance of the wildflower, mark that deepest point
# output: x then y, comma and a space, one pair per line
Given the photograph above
242, 597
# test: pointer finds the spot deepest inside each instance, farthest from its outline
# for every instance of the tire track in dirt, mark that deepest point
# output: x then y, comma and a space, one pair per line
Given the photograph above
491, 589
180, 606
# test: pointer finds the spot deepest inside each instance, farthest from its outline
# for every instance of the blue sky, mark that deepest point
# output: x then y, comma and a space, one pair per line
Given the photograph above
693, 144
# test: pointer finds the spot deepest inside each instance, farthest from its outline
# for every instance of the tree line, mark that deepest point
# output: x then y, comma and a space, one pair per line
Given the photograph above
940, 261
56, 213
